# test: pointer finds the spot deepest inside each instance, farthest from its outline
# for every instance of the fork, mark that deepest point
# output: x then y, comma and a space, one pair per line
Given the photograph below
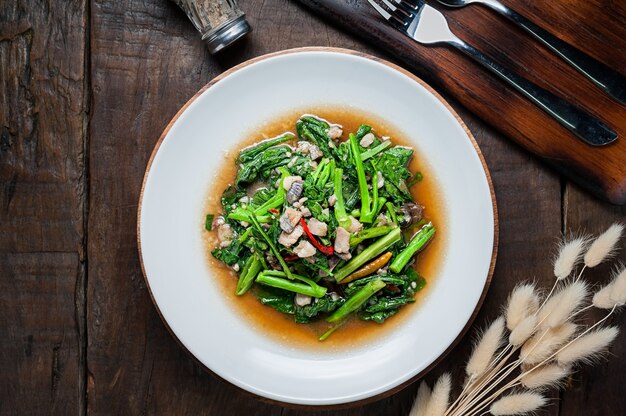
612, 82
428, 26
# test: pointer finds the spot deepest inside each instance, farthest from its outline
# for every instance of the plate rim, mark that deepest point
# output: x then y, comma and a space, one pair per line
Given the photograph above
496, 229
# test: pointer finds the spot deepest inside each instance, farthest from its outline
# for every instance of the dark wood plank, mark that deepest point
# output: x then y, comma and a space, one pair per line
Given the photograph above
40, 342
42, 132
147, 61
600, 169
597, 388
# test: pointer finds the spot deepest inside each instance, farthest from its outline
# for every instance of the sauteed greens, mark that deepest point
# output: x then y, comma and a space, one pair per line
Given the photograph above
323, 226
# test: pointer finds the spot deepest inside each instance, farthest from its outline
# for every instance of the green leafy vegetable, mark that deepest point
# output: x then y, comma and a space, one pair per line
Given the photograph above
246, 278
388, 303
249, 153
275, 279
367, 211
326, 304
284, 244
261, 165
208, 223
381, 245
379, 317
280, 300
417, 243
314, 130
375, 150
270, 242
340, 208
356, 300
229, 254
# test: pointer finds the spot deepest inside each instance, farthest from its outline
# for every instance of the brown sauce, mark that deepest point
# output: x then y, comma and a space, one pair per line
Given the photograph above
354, 332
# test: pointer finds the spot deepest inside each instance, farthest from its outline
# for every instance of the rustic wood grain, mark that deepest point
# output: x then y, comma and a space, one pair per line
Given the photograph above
595, 388
106, 77
42, 134
145, 64
600, 170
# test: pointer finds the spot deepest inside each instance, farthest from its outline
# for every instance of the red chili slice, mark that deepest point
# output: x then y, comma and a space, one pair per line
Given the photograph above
291, 258
274, 211
328, 250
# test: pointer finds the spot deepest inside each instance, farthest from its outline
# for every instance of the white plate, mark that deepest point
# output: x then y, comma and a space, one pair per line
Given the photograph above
186, 160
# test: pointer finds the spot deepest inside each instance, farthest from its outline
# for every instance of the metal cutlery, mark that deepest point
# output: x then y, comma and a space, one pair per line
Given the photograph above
428, 26
604, 77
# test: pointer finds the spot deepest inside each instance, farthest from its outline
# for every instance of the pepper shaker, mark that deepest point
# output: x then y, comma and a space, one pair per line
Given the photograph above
220, 22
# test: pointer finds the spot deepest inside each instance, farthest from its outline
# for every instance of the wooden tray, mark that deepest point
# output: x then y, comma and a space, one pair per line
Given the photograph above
597, 27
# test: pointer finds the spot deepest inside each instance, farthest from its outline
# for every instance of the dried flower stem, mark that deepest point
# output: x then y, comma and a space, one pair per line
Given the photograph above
466, 388
580, 275
512, 366
470, 409
542, 334
486, 380
501, 373
554, 286
586, 308
516, 381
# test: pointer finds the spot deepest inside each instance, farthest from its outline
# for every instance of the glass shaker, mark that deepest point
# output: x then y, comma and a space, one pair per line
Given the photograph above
220, 22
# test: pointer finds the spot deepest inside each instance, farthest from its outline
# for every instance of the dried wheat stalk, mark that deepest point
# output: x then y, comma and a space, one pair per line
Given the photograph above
536, 344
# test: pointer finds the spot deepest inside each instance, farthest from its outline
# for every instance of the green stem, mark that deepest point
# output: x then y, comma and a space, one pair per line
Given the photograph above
381, 245
250, 270
417, 243
328, 333
277, 200
268, 240
379, 205
248, 154
243, 237
273, 202
366, 203
340, 208
325, 175
374, 207
369, 233
275, 279
318, 171
357, 300
375, 150
392, 213
241, 214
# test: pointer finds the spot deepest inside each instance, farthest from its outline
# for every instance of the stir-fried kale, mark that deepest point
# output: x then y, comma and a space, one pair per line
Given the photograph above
378, 317
315, 130
312, 268
231, 197
386, 303
278, 299
393, 164
305, 314
353, 287
260, 166
248, 154
318, 185
230, 254
208, 222
261, 196
341, 233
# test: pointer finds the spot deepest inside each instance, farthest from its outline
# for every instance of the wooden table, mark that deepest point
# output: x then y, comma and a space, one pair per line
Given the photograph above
86, 89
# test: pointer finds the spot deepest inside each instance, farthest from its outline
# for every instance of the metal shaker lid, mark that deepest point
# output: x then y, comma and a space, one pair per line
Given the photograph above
227, 34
